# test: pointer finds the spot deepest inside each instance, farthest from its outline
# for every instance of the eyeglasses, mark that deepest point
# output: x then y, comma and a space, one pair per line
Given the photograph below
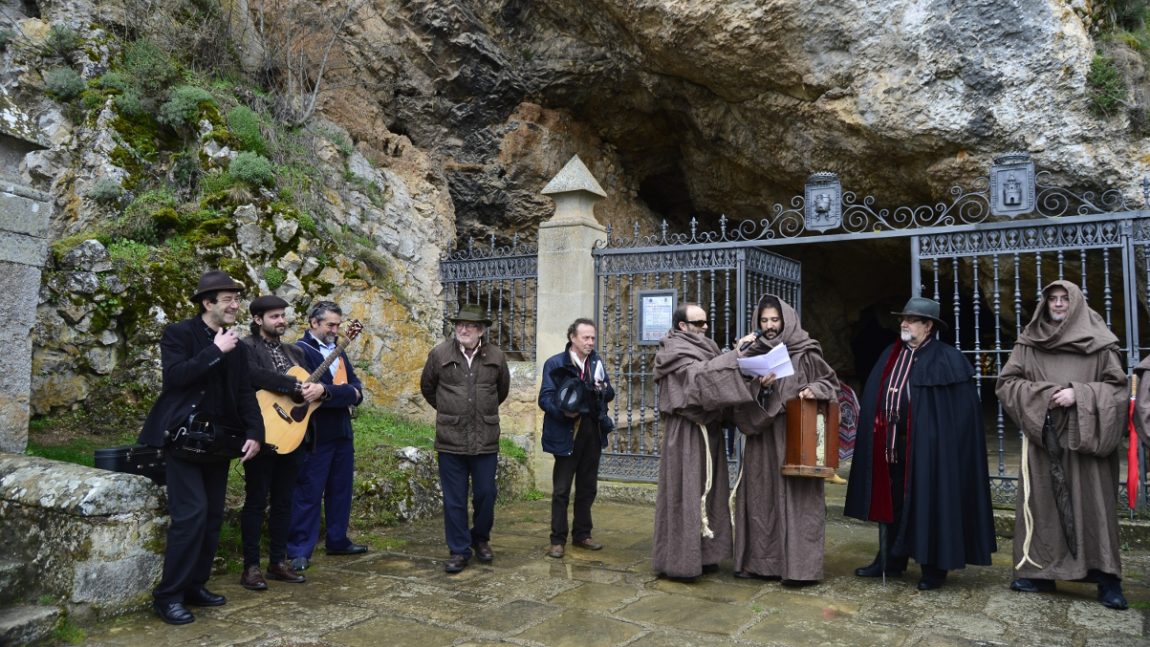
698, 324
227, 300
470, 325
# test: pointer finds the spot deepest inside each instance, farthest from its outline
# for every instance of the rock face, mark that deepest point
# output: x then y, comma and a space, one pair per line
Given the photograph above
698, 106
443, 119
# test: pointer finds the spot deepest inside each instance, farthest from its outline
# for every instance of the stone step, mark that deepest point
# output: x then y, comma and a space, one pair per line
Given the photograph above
22, 625
11, 580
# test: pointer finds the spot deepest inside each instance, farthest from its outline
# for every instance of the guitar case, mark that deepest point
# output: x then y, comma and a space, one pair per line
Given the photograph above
134, 459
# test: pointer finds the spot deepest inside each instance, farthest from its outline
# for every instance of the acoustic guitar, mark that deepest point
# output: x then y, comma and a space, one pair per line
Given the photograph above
286, 416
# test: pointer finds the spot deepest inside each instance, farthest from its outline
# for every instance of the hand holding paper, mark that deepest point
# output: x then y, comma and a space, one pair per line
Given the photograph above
777, 361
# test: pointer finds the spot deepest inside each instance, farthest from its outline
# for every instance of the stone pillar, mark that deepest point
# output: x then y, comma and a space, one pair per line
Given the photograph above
24, 215
566, 274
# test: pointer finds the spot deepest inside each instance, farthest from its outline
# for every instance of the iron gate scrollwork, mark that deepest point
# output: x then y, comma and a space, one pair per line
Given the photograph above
718, 278
985, 262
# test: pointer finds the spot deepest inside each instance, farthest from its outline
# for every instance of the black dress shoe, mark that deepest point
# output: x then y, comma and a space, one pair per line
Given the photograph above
747, 575
173, 613
350, 549
932, 578
455, 563
1032, 585
484, 553
1110, 595
798, 584
202, 597
707, 568
874, 569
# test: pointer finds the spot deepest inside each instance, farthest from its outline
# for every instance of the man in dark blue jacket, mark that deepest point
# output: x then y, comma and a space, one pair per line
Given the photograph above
326, 475
205, 373
574, 396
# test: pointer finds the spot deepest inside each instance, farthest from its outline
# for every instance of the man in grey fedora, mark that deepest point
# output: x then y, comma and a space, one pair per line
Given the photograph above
465, 380
920, 456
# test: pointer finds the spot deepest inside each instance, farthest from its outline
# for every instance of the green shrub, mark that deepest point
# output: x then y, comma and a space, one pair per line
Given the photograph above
184, 105
245, 126
307, 223
105, 192
1106, 87
139, 222
62, 41
63, 83
129, 253
252, 169
274, 277
130, 105
150, 69
114, 81
216, 182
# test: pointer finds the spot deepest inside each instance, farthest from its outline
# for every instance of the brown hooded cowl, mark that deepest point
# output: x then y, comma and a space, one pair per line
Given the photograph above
780, 520
697, 388
1081, 353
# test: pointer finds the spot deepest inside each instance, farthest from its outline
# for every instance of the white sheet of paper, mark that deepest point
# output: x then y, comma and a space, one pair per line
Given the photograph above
777, 361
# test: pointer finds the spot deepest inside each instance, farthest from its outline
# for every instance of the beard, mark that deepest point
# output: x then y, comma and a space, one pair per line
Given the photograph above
1056, 318
905, 336
770, 333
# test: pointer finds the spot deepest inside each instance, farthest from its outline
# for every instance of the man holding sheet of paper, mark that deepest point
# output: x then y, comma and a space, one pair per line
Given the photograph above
778, 521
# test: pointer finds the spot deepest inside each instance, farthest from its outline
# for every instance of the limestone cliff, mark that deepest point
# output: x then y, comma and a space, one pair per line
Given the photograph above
441, 119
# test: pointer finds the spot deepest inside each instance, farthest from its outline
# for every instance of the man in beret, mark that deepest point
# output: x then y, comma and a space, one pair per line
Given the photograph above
920, 456
271, 473
465, 380
205, 374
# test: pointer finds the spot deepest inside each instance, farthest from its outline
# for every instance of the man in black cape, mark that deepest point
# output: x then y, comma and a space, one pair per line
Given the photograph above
920, 456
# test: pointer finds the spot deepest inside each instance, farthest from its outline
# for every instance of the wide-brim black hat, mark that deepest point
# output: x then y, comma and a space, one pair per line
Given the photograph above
922, 307
214, 281
471, 313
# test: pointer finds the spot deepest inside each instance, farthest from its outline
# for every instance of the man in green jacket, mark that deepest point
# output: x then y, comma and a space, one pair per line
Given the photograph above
465, 380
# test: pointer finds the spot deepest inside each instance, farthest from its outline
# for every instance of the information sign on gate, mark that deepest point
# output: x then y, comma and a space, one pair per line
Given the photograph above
655, 310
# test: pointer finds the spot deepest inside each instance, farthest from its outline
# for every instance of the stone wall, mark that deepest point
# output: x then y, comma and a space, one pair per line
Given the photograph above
90, 538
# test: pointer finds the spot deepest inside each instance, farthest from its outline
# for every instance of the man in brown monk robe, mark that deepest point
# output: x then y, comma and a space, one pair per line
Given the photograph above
1065, 387
779, 520
697, 387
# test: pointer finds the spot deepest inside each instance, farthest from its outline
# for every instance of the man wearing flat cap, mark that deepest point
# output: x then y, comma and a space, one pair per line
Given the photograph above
271, 474
465, 380
920, 456
205, 374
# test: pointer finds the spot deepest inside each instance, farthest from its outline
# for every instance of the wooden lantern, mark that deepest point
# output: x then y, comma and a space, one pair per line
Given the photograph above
812, 438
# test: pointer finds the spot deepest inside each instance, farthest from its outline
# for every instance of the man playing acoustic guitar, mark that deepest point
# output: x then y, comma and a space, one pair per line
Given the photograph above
326, 474
271, 473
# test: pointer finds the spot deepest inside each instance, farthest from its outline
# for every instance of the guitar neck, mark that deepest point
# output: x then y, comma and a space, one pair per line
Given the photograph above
327, 362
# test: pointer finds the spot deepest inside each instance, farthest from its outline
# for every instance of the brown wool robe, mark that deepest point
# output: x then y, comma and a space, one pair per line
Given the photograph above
780, 520
697, 386
1079, 352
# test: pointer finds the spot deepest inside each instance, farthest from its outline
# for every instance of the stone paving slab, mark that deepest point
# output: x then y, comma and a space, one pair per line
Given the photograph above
611, 598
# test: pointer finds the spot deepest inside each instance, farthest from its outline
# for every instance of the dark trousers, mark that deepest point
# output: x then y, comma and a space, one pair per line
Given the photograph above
582, 466
455, 470
273, 475
196, 503
324, 479
896, 552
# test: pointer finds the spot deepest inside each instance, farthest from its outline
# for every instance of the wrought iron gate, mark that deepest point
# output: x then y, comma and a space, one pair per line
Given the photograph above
984, 255
718, 277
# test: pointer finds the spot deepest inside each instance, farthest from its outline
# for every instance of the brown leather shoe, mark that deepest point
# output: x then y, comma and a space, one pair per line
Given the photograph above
556, 551
483, 552
253, 579
283, 572
587, 543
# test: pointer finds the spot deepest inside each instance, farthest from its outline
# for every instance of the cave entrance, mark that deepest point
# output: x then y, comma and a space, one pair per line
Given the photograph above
846, 278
